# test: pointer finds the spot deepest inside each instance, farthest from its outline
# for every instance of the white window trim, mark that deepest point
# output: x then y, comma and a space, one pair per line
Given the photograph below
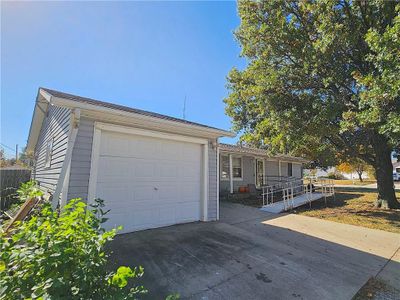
220, 169
256, 159
241, 166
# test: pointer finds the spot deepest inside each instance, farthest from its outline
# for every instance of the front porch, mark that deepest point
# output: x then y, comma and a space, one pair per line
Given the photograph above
244, 170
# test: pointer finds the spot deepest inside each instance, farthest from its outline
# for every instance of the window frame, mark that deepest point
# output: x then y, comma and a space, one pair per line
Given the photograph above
48, 154
241, 167
221, 167
290, 170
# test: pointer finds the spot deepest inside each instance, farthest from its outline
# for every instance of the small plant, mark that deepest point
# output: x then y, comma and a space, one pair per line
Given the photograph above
53, 256
29, 190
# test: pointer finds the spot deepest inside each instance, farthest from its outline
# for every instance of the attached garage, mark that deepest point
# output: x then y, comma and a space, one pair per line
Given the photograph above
151, 170
149, 179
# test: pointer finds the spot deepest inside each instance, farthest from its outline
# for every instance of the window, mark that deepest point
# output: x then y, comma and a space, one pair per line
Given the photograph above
290, 169
224, 167
49, 148
236, 167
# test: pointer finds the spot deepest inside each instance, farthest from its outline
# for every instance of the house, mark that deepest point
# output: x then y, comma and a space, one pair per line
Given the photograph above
152, 170
396, 171
244, 166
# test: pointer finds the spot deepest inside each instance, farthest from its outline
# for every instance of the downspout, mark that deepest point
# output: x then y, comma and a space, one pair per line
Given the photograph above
230, 174
62, 179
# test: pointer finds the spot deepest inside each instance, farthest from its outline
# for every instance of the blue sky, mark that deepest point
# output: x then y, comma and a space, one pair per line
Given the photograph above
148, 55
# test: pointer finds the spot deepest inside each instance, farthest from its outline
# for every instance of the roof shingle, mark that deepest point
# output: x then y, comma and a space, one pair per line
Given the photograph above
80, 99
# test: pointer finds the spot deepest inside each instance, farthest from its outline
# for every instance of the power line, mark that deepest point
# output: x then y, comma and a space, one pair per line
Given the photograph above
7, 147
9, 152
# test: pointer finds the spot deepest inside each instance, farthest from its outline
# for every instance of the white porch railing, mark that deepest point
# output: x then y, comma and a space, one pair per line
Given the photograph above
288, 191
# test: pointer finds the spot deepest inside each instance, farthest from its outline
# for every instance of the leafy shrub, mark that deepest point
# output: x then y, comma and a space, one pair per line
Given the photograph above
28, 190
335, 175
53, 256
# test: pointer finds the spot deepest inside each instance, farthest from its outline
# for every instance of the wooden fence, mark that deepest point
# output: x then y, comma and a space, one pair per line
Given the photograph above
10, 180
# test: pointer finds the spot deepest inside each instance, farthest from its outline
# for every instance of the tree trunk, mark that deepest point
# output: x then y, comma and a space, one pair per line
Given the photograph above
360, 176
384, 174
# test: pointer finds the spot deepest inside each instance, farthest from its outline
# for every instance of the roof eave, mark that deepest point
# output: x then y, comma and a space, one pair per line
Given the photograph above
39, 113
92, 107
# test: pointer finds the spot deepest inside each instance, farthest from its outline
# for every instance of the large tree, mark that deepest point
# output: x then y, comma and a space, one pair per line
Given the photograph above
322, 80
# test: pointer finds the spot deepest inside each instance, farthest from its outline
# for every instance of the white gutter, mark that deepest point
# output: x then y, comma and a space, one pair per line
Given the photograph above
92, 107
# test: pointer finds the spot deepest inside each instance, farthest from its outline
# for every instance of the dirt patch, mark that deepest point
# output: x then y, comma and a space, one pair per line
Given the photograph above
377, 290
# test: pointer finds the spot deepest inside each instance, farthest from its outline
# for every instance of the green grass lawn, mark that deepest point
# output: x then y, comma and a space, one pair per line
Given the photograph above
356, 208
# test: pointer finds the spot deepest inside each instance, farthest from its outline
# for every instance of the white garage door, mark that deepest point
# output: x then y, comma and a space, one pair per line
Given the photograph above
148, 182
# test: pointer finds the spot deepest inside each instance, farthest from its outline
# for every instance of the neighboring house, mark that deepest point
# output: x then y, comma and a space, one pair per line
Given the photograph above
396, 171
244, 166
152, 170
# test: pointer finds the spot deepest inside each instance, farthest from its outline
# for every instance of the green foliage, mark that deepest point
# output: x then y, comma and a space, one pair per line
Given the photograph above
322, 76
28, 190
335, 175
53, 256
322, 80
175, 296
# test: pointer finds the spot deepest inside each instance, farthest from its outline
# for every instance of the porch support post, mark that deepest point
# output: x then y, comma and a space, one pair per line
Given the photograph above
230, 174
279, 169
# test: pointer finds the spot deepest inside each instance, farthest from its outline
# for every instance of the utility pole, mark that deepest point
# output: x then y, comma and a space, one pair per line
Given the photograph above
16, 152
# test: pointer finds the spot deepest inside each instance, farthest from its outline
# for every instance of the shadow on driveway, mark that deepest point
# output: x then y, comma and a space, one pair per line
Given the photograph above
250, 254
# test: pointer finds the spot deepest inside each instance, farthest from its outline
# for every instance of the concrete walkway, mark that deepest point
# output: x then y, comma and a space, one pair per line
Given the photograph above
251, 254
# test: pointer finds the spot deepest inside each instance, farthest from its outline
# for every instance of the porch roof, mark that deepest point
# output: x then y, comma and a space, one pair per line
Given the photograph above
260, 152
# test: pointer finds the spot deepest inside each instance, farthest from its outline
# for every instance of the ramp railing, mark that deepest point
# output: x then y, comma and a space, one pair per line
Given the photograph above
288, 191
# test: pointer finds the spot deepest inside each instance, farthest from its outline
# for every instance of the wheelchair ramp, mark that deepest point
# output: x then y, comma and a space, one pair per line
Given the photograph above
297, 201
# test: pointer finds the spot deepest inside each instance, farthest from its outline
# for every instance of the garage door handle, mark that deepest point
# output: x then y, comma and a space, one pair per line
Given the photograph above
156, 189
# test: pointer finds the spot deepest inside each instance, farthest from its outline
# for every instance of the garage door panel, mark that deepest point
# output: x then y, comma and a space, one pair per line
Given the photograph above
150, 183
114, 144
168, 169
186, 211
143, 168
143, 193
140, 148
168, 192
188, 195
113, 168
167, 215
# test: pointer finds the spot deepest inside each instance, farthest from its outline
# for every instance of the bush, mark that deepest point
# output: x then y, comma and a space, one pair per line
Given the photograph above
29, 190
335, 175
53, 256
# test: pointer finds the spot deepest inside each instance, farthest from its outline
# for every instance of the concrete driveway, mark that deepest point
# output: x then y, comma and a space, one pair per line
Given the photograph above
250, 254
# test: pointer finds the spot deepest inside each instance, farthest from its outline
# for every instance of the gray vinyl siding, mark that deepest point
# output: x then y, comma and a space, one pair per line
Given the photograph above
212, 184
55, 127
271, 169
271, 173
284, 169
297, 170
81, 160
247, 175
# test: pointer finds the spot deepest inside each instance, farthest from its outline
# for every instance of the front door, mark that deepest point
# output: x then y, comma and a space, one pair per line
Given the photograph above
259, 172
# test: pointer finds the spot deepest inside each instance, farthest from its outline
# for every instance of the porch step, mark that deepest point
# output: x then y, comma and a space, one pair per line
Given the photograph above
300, 200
